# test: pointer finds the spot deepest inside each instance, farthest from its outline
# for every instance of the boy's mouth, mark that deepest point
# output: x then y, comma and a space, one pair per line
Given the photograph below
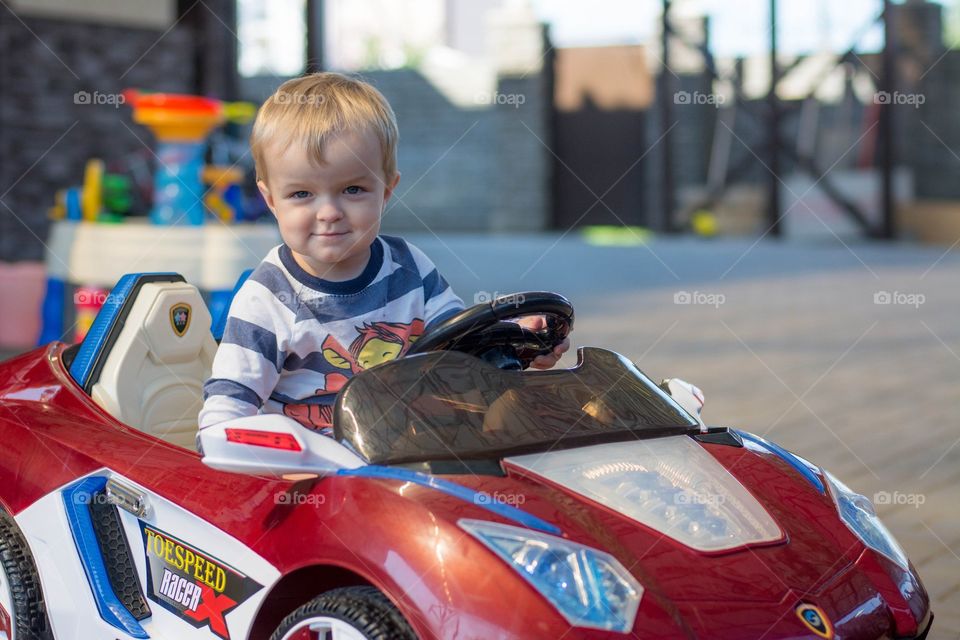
330, 234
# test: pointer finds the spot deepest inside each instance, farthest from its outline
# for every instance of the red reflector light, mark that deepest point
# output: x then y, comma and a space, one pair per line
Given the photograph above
283, 441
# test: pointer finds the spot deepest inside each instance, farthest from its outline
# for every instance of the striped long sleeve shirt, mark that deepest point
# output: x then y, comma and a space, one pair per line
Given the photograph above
292, 340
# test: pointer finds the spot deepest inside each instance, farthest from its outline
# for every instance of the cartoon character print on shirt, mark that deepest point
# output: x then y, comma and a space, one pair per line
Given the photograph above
376, 343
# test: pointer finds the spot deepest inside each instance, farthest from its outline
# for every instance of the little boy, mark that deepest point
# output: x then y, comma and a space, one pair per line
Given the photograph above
335, 298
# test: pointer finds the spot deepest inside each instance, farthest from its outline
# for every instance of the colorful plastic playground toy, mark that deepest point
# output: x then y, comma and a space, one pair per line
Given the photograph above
96, 234
224, 197
181, 124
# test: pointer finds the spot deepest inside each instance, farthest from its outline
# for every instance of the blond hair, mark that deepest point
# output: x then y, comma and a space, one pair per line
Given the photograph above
313, 108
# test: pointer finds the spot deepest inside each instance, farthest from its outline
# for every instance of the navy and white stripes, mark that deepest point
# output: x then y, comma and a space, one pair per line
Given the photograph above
292, 339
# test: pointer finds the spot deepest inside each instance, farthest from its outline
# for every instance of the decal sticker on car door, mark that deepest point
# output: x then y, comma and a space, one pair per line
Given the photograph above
193, 584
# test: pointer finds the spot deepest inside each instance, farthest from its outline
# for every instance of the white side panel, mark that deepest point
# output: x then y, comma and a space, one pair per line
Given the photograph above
70, 601
70, 605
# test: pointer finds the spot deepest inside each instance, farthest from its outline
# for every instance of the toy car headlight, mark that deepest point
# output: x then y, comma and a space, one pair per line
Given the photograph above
671, 485
588, 587
858, 514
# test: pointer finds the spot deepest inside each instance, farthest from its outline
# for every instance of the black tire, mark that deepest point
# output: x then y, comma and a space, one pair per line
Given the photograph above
29, 615
364, 608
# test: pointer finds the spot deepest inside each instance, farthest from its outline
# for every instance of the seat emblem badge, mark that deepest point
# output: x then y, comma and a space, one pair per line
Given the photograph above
180, 318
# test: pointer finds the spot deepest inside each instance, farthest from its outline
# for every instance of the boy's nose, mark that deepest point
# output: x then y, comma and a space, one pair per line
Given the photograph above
328, 212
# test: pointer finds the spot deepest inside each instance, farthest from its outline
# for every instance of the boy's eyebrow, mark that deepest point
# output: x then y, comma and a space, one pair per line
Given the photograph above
297, 182
359, 178
292, 184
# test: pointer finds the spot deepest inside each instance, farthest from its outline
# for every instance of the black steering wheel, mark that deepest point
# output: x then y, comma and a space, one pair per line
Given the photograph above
481, 330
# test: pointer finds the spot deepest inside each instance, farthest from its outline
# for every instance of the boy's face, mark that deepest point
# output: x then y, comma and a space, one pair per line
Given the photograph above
329, 214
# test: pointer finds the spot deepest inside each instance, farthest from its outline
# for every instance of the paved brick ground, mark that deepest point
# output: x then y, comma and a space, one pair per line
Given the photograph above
796, 349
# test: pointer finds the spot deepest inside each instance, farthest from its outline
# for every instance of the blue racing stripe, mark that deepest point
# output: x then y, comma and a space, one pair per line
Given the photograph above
99, 333
786, 456
76, 497
478, 498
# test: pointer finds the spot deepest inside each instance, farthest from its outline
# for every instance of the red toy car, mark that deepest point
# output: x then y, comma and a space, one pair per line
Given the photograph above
460, 498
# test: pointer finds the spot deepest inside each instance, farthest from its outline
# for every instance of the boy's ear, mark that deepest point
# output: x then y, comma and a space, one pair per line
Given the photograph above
388, 190
267, 196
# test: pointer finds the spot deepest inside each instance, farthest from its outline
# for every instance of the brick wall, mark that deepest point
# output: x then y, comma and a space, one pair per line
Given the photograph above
446, 157
929, 136
476, 168
523, 162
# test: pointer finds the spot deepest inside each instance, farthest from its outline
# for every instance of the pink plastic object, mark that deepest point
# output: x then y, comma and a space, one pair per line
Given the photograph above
88, 301
21, 294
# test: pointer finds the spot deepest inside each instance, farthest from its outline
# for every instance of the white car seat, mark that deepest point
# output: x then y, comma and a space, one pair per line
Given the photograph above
152, 378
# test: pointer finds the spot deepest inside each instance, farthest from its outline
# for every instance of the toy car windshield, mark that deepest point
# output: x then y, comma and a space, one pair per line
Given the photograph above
448, 405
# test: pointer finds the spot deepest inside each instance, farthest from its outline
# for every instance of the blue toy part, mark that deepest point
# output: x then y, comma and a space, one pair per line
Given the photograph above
51, 313
233, 196
219, 305
72, 203
220, 302
102, 334
177, 187
805, 469
466, 494
76, 497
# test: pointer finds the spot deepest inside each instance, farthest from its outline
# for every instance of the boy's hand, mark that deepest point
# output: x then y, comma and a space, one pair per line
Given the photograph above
536, 323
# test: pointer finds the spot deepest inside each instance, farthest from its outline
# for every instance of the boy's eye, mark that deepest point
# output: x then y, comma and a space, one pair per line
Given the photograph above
300, 194
353, 190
